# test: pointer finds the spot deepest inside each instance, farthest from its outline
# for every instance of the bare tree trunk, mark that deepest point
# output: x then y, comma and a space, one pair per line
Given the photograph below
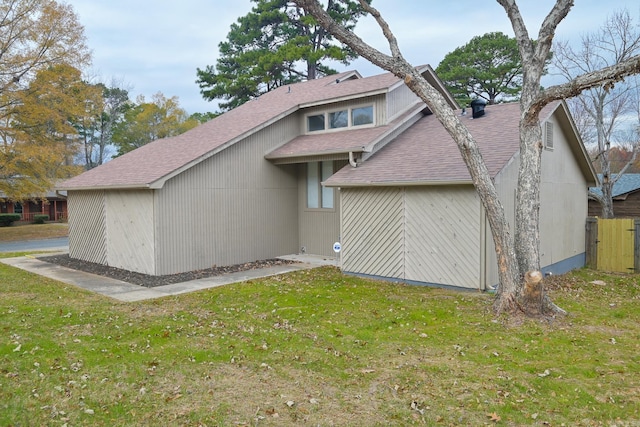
607, 195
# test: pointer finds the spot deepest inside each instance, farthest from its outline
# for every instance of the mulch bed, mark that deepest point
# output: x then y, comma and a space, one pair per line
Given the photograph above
153, 281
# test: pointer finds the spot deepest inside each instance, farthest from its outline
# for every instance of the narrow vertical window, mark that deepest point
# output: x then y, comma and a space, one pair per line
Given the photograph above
317, 195
313, 185
327, 192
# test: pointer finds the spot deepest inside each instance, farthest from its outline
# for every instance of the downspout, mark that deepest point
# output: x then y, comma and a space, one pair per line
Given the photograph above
352, 160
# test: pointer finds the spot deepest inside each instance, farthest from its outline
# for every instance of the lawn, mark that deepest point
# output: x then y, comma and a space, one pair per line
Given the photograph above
17, 232
317, 348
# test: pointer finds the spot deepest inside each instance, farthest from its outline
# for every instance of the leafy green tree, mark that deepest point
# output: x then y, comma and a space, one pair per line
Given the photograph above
276, 44
144, 122
97, 126
203, 117
487, 67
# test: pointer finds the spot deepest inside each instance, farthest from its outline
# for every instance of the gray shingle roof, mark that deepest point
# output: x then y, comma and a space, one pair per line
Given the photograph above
426, 153
342, 141
151, 164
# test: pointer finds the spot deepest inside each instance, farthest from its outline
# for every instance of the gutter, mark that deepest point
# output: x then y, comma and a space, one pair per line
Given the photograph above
396, 184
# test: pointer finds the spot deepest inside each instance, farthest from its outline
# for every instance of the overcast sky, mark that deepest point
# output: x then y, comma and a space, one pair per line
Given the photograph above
156, 46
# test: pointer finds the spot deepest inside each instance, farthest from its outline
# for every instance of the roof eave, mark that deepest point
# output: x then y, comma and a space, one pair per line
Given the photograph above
577, 146
421, 183
107, 187
344, 151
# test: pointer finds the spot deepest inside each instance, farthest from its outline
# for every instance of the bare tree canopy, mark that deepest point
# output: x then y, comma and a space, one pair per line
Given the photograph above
599, 111
520, 256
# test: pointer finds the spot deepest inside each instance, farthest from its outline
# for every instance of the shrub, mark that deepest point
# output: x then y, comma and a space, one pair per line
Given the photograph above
6, 219
40, 219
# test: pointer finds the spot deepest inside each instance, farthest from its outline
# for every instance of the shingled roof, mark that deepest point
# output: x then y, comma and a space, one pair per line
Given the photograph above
426, 153
151, 165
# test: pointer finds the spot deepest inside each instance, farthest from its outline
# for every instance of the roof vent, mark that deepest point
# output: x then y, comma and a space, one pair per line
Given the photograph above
477, 108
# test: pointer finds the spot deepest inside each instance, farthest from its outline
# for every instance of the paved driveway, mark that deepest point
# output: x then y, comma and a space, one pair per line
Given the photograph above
57, 244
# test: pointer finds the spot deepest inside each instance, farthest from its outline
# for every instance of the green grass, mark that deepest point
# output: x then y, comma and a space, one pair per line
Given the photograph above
17, 232
316, 348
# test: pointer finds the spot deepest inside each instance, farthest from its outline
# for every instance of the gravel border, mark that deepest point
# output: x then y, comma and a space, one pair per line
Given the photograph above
149, 281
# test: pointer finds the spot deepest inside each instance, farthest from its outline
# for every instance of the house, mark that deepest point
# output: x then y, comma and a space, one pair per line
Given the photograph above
342, 158
54, 204
626, 197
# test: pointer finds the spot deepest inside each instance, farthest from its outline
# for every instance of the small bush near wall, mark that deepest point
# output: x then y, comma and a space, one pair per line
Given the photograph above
40, 219
7, 219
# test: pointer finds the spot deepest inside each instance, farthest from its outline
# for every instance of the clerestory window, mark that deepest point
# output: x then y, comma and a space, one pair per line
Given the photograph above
350, 117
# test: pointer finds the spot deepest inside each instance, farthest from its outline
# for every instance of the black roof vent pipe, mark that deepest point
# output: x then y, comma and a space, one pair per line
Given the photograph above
477, 108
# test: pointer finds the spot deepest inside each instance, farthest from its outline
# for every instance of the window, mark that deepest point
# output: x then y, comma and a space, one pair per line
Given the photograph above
338, 119
315, 122
17, 208
317, 195
362, 116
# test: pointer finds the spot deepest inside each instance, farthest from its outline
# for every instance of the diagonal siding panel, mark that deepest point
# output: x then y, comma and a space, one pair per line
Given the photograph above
87, 229
443, 236
373, 231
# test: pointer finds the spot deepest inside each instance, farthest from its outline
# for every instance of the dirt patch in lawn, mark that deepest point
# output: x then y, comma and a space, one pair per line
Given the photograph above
153, 281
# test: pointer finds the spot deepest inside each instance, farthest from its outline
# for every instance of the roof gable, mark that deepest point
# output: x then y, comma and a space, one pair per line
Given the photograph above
152, 164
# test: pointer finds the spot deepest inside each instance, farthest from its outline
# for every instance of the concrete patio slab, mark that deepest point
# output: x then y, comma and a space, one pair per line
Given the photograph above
128, 292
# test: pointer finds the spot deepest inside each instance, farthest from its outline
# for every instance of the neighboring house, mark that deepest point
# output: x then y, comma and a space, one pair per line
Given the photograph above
342, 158
53, 204
626, 197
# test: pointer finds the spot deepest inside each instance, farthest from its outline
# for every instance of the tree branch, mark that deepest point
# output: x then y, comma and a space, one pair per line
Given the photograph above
606, 77
347, 37
391, 38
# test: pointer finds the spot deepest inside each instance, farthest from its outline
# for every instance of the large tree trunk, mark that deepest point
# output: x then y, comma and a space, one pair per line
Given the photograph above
514, 294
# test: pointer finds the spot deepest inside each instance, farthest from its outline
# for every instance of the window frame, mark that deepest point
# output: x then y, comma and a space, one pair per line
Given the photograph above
326, 114
352, 110
321, 192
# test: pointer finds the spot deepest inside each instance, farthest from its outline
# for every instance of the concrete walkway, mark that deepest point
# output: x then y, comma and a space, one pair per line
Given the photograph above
128, 292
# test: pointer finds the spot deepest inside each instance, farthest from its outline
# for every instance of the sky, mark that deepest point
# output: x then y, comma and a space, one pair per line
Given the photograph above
151, 46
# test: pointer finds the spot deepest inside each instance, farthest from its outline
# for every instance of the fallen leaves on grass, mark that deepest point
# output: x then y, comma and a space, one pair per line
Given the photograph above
494, 417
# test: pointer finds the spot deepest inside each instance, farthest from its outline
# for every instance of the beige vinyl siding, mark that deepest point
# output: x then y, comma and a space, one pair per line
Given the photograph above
505, 183
563, 189
87, 226
130, 225
318, 229
398, 100
422, 234
232, 208
443, 236
373, 231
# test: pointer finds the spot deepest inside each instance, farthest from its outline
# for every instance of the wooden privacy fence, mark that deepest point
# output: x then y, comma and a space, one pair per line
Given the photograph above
613, 244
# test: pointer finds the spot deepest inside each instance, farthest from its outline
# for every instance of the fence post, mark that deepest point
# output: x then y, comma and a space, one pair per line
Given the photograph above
591, 243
